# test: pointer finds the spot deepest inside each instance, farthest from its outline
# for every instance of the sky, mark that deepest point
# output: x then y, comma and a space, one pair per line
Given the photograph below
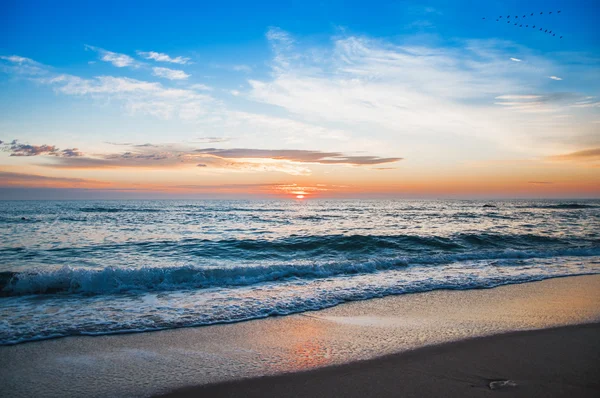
312, 99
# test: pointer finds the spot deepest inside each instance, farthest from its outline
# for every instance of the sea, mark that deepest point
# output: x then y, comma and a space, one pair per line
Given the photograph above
101, 267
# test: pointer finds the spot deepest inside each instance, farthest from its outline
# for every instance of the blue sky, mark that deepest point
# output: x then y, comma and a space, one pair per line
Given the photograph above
415, 86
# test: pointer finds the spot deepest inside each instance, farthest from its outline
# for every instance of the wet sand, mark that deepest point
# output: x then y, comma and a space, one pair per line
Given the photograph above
147, 364
563, 362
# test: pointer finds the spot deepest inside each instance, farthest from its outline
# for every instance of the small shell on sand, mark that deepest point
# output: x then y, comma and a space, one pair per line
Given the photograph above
498, 384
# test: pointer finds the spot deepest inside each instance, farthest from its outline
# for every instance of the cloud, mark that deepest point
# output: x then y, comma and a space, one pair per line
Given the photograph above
587, 102
18, 59
554, 78
9, 178
278, 36
138, 96
406, 90
169, 156
201, 87
584, 155
15, 148
71, 153
296, 155
236, 68
21, 65
118, 60
171, 74
515, 59
241, 68
161, 57
211, 140
539, 182
545, 103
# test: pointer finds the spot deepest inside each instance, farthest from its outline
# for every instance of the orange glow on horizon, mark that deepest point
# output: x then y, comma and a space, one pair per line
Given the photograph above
299, 196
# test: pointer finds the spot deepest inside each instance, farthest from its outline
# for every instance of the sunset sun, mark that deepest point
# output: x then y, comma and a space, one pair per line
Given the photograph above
299, 196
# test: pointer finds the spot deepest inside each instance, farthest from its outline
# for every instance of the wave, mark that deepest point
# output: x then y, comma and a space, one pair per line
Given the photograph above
154, 313
326, 245
562, 206
117, 210
110, 280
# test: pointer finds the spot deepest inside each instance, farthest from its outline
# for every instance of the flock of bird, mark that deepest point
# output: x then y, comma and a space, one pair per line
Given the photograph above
522, 24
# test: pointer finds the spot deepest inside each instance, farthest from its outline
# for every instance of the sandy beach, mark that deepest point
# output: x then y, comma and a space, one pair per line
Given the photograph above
562, 362
335, 350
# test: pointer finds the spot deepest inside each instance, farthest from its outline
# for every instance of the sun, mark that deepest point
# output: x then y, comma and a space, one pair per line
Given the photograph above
299, 196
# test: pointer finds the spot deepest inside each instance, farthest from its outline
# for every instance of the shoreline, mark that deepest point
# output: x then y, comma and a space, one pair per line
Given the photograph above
428, 371
300, 313
159, 362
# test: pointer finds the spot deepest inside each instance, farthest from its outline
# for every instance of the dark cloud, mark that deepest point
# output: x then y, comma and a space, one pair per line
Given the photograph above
201, 165
71, 153
15, 148
587, 154
296, 155
32, 150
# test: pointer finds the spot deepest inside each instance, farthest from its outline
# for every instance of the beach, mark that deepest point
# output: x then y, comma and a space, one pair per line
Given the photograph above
421, 344
561, 362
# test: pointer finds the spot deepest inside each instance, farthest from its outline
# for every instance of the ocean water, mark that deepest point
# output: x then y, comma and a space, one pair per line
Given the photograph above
100, 267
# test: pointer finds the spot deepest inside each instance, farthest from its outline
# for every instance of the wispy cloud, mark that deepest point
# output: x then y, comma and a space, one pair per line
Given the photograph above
201, 87
241, 68
18, 59
585, 155
161, 57
118, 60
169, 156
537, 102
515, 59
12, 179
236, 68
554, 77
303, 156
138, 96
21, 65
171, 74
